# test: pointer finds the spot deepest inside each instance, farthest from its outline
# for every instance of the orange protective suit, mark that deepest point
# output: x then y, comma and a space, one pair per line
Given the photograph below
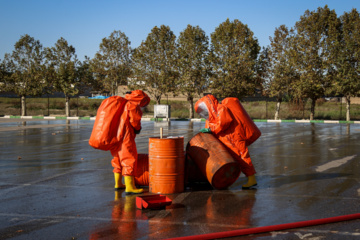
125, 153
230, 123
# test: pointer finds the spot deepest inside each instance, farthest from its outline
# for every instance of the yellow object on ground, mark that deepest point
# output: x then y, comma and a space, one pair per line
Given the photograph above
117, 195
118, 181
130, 186
251, 182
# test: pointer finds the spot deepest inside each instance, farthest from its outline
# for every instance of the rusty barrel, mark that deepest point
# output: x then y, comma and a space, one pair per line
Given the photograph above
213, 160
142, 170
192, 172
166, 165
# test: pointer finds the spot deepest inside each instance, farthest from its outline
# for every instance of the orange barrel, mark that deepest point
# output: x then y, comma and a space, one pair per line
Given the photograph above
166, 165
213, 160
142, 170
192, 172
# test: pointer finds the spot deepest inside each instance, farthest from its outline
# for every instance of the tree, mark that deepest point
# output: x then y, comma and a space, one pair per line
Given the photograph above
262, 70
25, 66
282, 71
234, 51
316, 33
155, 63
86, 76
63, 60
112, 63
193, 48
49, 78
4, 75
347, 60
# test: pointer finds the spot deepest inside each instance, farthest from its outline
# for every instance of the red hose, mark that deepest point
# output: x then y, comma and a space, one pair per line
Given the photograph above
271, 228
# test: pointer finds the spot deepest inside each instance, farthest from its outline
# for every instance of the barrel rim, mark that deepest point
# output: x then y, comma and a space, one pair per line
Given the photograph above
166, 138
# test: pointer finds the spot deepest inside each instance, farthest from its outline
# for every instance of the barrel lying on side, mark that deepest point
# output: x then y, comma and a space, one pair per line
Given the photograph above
213, 159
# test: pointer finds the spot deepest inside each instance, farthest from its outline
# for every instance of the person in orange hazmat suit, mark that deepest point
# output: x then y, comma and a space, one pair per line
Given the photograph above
234, 129
125, 154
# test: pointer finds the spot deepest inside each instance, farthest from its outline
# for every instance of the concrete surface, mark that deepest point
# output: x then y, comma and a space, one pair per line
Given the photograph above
53, 185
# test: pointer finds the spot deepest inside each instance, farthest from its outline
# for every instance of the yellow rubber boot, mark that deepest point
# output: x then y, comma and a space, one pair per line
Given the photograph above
118, 181
251, 182
130, 186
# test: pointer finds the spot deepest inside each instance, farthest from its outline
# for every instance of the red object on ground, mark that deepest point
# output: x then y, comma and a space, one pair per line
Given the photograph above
152, 201
271, 228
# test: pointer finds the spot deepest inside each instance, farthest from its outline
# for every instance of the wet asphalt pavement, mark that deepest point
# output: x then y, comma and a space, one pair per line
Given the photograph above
53, 185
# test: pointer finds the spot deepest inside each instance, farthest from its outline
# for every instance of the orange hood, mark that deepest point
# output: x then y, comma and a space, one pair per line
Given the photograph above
211, 103
139, 97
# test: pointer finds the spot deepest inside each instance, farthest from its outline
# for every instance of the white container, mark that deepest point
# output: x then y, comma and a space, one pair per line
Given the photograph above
162, 111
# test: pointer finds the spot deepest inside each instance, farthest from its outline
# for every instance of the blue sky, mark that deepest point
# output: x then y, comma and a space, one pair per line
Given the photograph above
84, 23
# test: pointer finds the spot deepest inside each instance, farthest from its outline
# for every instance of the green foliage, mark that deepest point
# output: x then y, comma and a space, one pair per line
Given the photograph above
317, 33
154, 63
234, 51
318, 57
62, 59
347, 59
58, 105
179, 109
24, 69
63, 64
262, 68
95, 105
4, 74
282, 70
86, 79
193, 67
33, 106
112, 63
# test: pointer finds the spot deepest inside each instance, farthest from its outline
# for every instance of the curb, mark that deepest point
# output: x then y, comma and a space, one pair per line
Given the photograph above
183, 119
50, 118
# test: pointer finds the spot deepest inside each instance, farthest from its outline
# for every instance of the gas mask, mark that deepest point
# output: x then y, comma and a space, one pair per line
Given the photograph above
203, 111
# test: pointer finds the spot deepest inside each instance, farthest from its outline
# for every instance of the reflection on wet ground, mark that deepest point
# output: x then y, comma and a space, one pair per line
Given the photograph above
52, 183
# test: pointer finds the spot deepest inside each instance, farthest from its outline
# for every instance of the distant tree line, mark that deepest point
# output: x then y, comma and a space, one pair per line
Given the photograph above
317, 57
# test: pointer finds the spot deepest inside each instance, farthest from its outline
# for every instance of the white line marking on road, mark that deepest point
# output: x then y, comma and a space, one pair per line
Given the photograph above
6, 191
334, 164
303, 236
